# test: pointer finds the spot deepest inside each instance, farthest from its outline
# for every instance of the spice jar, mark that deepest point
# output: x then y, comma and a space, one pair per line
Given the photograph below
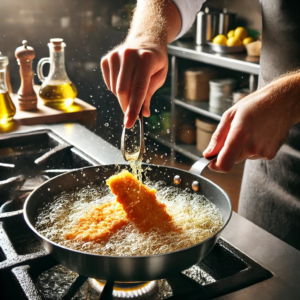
57, 89
7, 107
196, 83
205, 131
187, 134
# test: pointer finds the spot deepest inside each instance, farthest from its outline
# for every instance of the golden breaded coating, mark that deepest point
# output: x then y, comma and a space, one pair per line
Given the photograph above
99, 224
140, 204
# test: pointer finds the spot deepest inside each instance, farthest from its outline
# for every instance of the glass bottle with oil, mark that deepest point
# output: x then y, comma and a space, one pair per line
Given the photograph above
57, 89
7, 107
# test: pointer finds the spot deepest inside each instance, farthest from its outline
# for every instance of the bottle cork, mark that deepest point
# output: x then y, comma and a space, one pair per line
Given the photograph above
56, 44
26, 95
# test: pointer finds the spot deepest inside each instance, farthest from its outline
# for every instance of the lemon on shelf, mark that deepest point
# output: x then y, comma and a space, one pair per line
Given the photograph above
241, 33
247, 40
220, 39
230, 34
234, 41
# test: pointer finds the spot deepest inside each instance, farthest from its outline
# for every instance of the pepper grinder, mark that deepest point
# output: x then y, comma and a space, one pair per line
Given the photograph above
26, 95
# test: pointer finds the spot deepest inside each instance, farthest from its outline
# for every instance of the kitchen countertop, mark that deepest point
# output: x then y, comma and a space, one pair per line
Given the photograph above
80, 137
273, 254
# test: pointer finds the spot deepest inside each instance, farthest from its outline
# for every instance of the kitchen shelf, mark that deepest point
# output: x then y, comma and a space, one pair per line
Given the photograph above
189, 151
201, 108
165, 98
188, 50
237, 62
198, 107
163, 140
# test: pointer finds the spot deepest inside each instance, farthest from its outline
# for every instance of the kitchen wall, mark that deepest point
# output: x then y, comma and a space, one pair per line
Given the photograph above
89, 28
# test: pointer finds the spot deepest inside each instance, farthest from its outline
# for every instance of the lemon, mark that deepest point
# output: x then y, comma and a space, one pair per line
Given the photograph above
220, 39
234, 41
230, 34
240, 32
247, 40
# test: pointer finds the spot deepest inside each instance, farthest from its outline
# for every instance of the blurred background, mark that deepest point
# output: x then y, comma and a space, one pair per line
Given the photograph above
90, 28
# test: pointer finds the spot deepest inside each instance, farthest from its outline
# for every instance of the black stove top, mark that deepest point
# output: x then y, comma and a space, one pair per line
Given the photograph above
28, 272
28, 160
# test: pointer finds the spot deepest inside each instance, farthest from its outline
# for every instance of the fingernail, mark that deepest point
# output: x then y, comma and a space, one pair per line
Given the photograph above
207, 150
147, 111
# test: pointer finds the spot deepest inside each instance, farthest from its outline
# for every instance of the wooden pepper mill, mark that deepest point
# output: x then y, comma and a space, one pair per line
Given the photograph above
26, 95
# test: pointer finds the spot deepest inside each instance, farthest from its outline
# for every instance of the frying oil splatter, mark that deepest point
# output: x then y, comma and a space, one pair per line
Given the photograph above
197, 217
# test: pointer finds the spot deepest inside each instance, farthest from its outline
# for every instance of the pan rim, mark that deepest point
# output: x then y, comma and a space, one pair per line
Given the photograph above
123, 257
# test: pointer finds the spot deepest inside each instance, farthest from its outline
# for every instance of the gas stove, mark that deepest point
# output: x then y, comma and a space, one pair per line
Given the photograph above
246, 263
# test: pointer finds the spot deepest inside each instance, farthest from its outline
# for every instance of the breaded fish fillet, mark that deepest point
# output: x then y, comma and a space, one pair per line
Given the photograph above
140, 203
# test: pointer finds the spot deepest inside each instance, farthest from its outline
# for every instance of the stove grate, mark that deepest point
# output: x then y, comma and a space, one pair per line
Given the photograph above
28, 160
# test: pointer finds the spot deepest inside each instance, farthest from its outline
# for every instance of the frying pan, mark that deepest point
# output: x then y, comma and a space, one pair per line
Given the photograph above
128, 268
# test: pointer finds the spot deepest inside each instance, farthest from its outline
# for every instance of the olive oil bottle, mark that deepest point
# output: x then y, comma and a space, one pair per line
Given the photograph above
57, 89
58, 95
7, 107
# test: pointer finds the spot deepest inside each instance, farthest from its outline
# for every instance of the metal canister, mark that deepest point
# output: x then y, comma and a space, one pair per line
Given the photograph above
212, 24
226, 22
220, 90
207, 26
252, 83
200, 35
239, 94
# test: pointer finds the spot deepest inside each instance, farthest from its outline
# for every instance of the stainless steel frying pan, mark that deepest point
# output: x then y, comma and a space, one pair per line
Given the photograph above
128, 268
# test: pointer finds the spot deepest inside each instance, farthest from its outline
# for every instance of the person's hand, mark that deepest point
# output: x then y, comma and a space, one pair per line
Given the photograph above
133, 72
255, 127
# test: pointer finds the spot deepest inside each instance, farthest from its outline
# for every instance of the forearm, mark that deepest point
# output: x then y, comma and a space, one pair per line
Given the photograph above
157, 21
286, 89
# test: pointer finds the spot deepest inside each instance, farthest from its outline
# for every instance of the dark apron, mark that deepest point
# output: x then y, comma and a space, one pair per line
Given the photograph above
270, 194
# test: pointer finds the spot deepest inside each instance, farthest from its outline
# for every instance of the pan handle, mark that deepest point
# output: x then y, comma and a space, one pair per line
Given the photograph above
198, 167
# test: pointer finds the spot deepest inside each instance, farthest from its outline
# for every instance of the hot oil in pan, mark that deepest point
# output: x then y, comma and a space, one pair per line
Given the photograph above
197, 216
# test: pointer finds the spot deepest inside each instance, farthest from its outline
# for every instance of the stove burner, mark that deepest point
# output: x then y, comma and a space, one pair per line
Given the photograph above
125, 290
